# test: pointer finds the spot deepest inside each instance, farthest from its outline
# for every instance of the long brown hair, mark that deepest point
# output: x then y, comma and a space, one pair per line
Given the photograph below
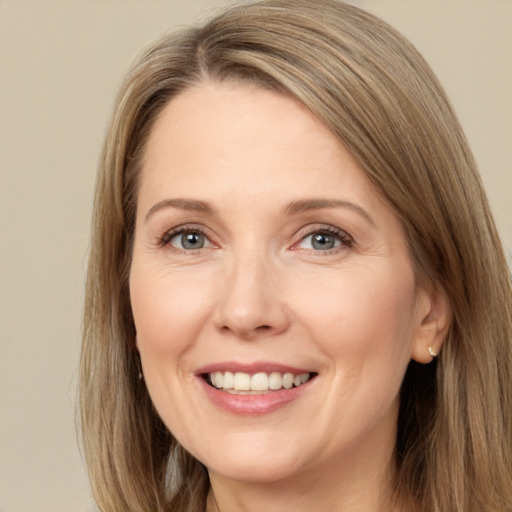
377, 94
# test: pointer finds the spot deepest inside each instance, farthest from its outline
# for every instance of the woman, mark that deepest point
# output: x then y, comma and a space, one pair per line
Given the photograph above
296, 298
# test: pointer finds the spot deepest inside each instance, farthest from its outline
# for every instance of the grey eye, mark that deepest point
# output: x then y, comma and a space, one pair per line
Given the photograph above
323, 241
189, 241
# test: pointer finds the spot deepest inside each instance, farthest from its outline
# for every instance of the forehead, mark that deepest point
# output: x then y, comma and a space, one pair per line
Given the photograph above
224, 132
219, 115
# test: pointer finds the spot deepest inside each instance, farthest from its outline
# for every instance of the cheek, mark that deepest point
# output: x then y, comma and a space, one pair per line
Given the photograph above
362, 314
168, 310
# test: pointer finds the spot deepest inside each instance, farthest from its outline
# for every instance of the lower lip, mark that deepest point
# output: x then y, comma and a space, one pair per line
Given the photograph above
252, 405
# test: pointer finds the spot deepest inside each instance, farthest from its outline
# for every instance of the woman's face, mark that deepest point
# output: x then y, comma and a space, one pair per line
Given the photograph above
274, 299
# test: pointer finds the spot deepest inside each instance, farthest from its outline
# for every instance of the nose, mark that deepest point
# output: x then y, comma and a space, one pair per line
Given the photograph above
251, 303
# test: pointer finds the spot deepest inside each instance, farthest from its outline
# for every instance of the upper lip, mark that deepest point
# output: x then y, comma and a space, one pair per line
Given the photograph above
250, 367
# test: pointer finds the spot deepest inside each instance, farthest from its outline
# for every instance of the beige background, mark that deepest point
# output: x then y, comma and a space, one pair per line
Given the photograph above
60, 64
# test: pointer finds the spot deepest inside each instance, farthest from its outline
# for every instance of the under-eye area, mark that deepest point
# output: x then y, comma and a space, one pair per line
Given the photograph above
256, 383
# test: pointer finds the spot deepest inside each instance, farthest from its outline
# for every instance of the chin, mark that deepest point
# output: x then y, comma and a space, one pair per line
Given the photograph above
264, 458
263, 471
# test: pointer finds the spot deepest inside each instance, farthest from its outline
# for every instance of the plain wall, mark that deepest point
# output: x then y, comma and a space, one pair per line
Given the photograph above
60, 65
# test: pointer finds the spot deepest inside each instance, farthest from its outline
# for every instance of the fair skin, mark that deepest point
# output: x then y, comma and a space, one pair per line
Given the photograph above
262, 248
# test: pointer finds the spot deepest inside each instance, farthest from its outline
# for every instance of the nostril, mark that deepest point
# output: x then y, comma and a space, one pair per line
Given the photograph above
248, 334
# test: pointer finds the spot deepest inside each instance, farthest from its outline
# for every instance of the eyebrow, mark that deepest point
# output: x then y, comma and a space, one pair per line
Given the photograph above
183, 204
305, 205
293, 208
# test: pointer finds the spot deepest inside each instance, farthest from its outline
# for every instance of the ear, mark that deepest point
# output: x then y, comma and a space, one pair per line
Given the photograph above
432, 322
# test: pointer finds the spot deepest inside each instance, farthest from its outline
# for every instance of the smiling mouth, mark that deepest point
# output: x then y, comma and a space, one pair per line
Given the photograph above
241, 383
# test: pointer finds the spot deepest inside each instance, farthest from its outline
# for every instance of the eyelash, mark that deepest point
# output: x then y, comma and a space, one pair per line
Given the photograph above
346, 241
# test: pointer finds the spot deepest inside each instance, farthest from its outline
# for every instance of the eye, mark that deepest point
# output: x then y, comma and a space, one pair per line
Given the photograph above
325, 239
320, 241
186, 239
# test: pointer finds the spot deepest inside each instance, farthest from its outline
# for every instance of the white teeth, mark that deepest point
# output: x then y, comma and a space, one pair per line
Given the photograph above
288, 380
275, 381
257, 382
242, 381
228, 380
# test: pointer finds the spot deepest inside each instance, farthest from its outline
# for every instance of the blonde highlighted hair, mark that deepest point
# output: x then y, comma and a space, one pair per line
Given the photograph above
378, 95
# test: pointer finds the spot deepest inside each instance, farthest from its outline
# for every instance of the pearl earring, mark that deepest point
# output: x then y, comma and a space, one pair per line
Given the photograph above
431, 352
